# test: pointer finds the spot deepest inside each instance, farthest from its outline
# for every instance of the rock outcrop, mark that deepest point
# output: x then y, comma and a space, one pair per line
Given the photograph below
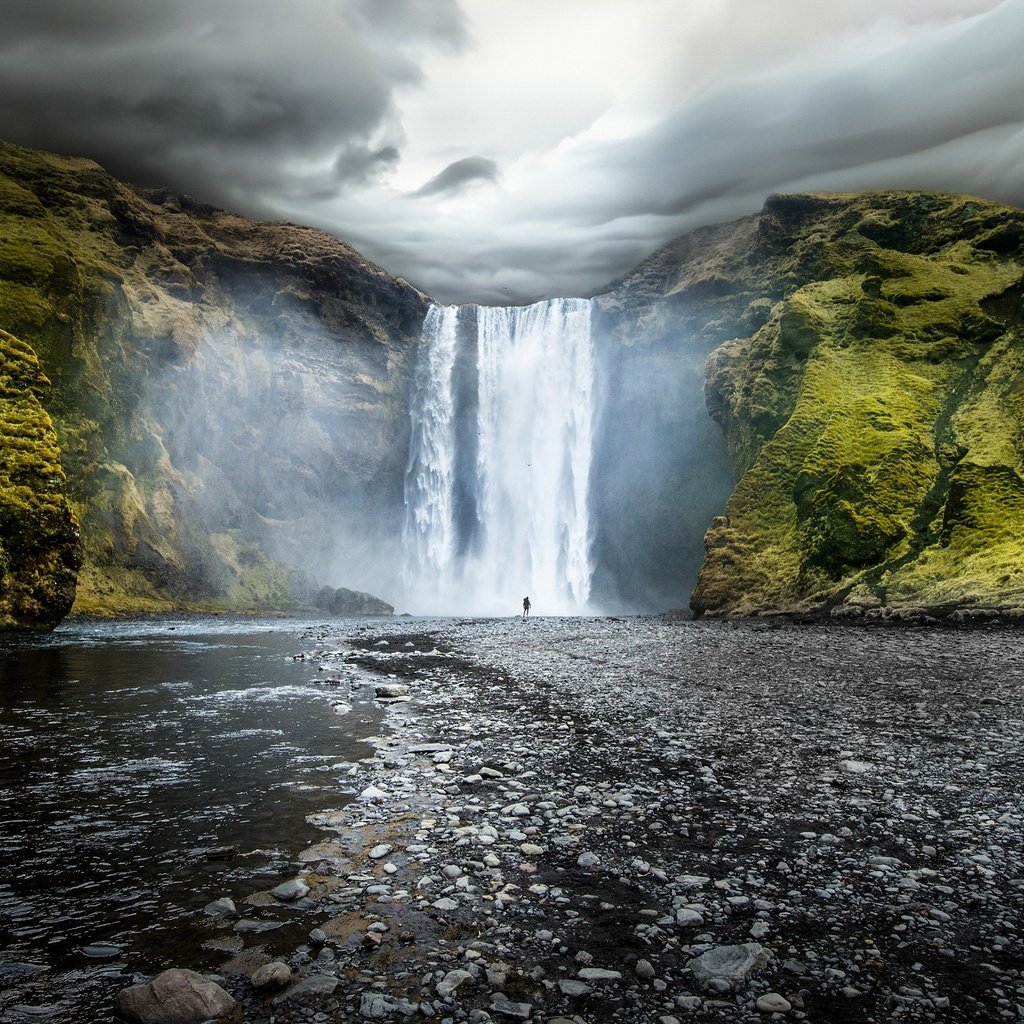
229, 396
867, 381
341, 601
39, 542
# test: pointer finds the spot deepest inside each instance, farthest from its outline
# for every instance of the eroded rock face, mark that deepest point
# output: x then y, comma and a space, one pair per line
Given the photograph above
39, 542
229, 396
864, 379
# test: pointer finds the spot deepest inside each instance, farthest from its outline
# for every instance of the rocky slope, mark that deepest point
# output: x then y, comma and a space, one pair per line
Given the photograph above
867, 380
228, 396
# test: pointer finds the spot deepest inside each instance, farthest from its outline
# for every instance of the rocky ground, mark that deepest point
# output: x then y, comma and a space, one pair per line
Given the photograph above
649, 821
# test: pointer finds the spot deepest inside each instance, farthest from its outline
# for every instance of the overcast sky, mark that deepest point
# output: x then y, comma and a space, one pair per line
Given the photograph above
506, 150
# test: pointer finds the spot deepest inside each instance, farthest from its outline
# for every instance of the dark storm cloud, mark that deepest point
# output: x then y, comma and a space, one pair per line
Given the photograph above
239, 101
940, 111
832, 125
459, 174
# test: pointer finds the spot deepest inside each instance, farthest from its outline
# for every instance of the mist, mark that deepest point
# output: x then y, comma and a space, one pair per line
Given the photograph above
551, 460
286, 446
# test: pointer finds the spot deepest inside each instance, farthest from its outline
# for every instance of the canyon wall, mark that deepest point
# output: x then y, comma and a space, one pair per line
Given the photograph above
229, 397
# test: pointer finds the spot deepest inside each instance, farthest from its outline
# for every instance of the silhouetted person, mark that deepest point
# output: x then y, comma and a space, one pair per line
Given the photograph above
526, 607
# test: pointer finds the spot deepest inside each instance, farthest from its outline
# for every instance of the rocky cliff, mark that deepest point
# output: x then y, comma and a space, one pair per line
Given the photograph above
868, 383
228, 396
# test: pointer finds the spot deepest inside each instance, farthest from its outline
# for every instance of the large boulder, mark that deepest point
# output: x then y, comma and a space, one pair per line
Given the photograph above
351, 602
176, 997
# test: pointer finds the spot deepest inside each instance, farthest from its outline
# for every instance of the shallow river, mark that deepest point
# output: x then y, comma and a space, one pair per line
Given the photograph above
127, 751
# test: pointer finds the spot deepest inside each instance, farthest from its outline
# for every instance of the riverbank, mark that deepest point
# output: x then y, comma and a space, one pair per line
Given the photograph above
637, 820
573, 818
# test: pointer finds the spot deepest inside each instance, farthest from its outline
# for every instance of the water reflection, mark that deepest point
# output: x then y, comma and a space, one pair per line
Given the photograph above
127, 750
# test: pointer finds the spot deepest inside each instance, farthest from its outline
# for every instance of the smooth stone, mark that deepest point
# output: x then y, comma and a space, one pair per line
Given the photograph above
572, 987
391, 690
688, 918
374, 795
293, 889
588, 860
598, 974
272, 975
729, 964
246, 924
644, 970
772, 1002
500, 1003
320, 985
175, 997
380, 851
101, 950
444, 903
451, 981
223, 907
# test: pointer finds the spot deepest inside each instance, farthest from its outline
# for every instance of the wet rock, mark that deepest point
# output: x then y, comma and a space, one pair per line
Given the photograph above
176, 997
101, 950
451, 981
391, 690
273, 975
319, 986
376, 1005
729, 964
772, 1002
598, 975
224, 907
501, 1004
293, 889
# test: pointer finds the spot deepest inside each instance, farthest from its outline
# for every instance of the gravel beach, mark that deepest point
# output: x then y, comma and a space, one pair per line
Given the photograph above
644, 820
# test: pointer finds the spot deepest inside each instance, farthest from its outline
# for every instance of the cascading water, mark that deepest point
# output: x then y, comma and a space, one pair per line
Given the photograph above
481, 532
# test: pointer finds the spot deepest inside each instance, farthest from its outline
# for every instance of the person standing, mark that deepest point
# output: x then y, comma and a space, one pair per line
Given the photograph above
526, 607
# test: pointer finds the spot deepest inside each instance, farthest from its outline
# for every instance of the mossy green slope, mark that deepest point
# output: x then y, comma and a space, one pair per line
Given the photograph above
156, 318
39, 542
876, 416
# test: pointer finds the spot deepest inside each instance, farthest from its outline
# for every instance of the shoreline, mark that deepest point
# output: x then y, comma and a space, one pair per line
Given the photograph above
638, 820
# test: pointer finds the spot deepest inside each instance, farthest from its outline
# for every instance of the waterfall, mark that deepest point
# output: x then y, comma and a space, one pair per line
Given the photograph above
429, 527
499, 464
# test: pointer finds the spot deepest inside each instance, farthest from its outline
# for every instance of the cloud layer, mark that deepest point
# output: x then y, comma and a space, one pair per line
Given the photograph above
498, 151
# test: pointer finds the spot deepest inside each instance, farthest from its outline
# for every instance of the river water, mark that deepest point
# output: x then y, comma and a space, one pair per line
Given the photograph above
128, 750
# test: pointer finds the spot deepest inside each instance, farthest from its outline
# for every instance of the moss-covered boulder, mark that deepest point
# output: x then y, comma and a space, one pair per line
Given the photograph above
39, 541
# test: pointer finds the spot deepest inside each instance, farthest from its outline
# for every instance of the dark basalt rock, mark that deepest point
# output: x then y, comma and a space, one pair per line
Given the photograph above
351, 602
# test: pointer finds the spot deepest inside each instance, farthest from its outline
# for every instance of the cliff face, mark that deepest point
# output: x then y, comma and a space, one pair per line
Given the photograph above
228, 396
870, 394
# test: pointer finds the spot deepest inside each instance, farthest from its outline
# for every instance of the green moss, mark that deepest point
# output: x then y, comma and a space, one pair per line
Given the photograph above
39, 544
877, 424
